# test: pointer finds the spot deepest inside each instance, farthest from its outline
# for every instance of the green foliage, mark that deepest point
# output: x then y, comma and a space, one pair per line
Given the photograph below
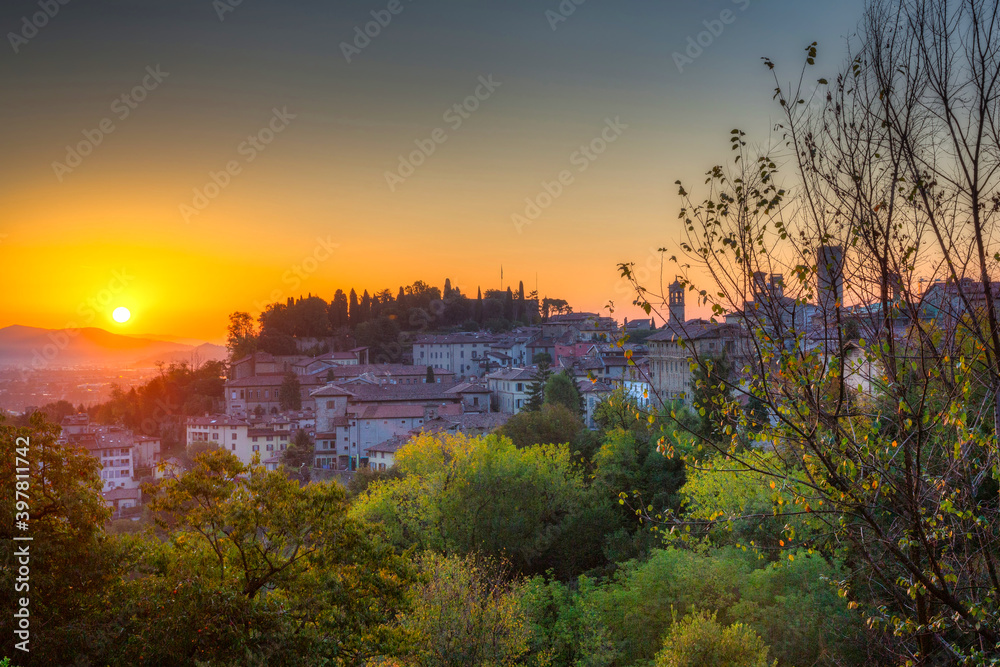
536, 389
566, 627
484, 495
160, 407
257, 568
74, 565
700, 640
560, 389
382, 336
736, 505
242, 336
711, 387
299, 456
624, 620
290, 392
465, 612
552, 424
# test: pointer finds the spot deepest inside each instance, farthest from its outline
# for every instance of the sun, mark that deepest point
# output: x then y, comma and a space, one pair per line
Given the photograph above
121, 315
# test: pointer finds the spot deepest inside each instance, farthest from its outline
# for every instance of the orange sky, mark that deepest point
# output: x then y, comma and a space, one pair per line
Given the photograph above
63, 237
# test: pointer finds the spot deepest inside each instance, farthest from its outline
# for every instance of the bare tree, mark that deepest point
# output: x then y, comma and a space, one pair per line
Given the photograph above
876, 353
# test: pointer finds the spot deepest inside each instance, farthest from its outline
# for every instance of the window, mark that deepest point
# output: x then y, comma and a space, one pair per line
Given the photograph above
234, 446
234, 436
256, 448
215, 436
234, 394
329, 405
270, 438
241, 393
270, 448
520, 386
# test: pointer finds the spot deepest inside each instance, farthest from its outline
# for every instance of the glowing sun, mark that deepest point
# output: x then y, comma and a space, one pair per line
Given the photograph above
121, 314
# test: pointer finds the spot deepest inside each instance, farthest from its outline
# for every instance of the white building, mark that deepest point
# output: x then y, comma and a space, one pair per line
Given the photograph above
510, 388
463, 354
228, 433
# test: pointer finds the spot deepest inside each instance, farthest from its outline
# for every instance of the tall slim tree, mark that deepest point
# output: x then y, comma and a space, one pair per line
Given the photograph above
354, 312
536, 389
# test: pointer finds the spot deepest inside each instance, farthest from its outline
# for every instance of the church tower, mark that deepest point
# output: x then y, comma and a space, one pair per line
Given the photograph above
676, 302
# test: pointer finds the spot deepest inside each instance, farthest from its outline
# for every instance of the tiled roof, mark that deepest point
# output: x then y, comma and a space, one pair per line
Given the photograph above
456, 339
392, 445
404, 411
514, 374
272, 380
331, 390
467, 388
695, 330
215, 420
402, 392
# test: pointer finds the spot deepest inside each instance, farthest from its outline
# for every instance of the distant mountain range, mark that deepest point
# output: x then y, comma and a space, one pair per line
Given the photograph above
33, 347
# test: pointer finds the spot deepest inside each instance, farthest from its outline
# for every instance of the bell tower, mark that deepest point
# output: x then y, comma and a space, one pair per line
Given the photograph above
676, 296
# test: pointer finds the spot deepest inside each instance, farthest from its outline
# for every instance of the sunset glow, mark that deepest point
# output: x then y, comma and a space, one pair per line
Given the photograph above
213, 207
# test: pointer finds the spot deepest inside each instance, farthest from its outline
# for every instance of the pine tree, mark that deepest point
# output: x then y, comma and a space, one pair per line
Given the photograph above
508, 305
354, 314
430, 375
366, 307
536, 390
519, 306
478, 312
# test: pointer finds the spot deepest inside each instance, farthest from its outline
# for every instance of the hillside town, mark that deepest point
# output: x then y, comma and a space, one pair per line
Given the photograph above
357, 413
